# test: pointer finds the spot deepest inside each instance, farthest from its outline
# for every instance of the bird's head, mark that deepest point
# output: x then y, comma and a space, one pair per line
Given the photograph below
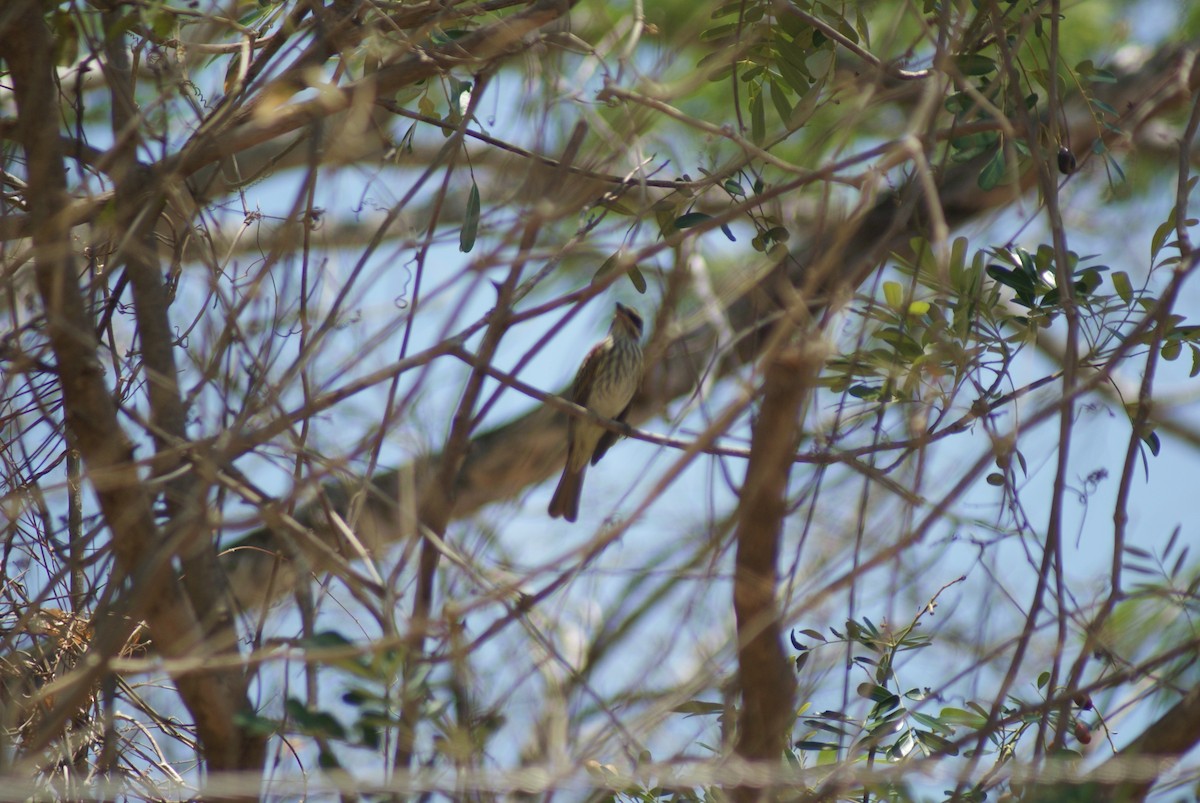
628, 319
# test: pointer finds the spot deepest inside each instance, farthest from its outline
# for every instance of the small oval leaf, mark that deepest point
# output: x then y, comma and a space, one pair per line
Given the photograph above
974, 64
691, 219
635, 276
466, 237
1123, 286
893, 293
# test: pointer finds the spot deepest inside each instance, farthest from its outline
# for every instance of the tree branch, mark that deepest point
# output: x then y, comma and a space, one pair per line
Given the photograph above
768, 685
501, 463
90, 413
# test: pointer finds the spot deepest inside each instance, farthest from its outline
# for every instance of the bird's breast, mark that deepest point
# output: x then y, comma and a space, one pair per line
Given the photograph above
614, 387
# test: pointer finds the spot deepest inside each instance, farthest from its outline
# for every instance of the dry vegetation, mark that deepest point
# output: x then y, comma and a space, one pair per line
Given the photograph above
289, 291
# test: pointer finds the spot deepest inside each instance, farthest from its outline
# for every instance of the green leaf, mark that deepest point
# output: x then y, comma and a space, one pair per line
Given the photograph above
974, 64
1160, 235
1195, 362
758, 119
719, 32
936, 743
873, 691
360, 697
466, 237
958, 103
753, 14
1088, 70
255, 725
958, 254
664, 215
691, 219
1019, 281
821, 62
807, 105
606, 267
635, 276
728, 8
827, 726
611, 264
794, 27
695, 708
992, 173
932, 723
860, 25
1137, 552
1171, 350
1124, 288
806, 744
957, 716
752, 73
783, 106
313, 723
964, 149
797, 79
893, 293
839, 22
716, 64
1104, 107
325, 639
617, 207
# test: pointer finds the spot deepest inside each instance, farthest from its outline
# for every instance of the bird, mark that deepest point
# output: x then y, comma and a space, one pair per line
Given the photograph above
607, 379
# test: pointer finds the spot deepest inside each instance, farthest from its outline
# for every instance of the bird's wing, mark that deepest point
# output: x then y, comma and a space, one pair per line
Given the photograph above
609, 437
581, 388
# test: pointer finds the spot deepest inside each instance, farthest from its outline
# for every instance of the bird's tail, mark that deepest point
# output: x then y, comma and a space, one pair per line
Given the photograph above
565, 501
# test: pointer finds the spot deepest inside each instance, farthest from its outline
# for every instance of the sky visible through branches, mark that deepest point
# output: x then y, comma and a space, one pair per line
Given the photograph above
606, 668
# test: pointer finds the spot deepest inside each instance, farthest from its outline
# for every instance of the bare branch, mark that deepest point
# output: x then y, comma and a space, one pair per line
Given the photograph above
767, 682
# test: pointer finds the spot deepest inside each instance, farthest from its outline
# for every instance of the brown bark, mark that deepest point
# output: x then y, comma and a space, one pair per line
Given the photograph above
91, 415
765, 678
